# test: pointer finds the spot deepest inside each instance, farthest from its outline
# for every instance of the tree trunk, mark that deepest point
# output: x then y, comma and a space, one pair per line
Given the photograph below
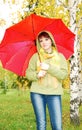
74, 78
80, 84
80, 67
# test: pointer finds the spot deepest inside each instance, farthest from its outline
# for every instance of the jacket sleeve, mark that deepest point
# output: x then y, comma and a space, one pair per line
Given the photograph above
59, 71
31, 72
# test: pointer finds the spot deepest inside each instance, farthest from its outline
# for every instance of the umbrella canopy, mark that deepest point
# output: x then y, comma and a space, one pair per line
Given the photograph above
18, 45
15, 57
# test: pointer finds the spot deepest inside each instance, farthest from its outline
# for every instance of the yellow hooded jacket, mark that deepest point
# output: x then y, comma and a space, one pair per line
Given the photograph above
51, 84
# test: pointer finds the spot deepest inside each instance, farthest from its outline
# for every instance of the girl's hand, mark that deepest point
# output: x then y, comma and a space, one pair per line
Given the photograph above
44, 66
41, 73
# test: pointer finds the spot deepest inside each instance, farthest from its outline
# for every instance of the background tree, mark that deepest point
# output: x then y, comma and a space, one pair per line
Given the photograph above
74, 81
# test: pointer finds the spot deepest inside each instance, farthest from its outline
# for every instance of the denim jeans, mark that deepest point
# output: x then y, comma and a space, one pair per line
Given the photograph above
53, 102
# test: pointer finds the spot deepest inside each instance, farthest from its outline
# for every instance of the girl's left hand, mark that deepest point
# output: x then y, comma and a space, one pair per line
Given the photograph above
44, 66
41, 73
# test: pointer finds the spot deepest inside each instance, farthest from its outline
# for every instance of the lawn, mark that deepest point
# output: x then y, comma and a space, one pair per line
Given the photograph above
16, 112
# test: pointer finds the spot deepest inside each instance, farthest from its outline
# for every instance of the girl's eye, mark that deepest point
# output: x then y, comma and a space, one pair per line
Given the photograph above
40, 40
46, 39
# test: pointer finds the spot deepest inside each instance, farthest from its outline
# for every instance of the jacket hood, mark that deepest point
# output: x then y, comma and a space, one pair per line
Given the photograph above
52, 38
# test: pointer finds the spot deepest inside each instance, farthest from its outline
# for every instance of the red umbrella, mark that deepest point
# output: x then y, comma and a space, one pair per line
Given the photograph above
18, 45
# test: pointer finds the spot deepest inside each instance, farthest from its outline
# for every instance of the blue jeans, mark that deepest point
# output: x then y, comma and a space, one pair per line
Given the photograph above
53, 102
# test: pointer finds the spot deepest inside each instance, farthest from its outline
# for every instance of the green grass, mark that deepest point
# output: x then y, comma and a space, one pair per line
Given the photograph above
16, 112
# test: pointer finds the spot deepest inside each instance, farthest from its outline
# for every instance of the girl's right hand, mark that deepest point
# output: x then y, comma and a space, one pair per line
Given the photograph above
44, 66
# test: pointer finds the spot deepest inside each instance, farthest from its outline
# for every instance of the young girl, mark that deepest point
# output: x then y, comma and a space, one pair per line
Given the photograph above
47, 69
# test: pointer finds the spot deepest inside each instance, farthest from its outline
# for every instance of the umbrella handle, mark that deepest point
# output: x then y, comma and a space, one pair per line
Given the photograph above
39, 57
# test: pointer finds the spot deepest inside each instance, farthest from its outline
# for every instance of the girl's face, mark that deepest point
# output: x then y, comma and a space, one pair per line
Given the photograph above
45, 43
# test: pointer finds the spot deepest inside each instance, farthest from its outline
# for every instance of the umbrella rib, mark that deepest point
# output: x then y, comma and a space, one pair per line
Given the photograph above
33, 26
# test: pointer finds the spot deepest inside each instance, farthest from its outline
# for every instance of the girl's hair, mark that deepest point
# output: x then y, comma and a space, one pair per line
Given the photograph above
43, 34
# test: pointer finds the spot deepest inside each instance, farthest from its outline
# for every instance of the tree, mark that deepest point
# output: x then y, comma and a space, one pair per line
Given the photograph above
75, 66
74, 74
